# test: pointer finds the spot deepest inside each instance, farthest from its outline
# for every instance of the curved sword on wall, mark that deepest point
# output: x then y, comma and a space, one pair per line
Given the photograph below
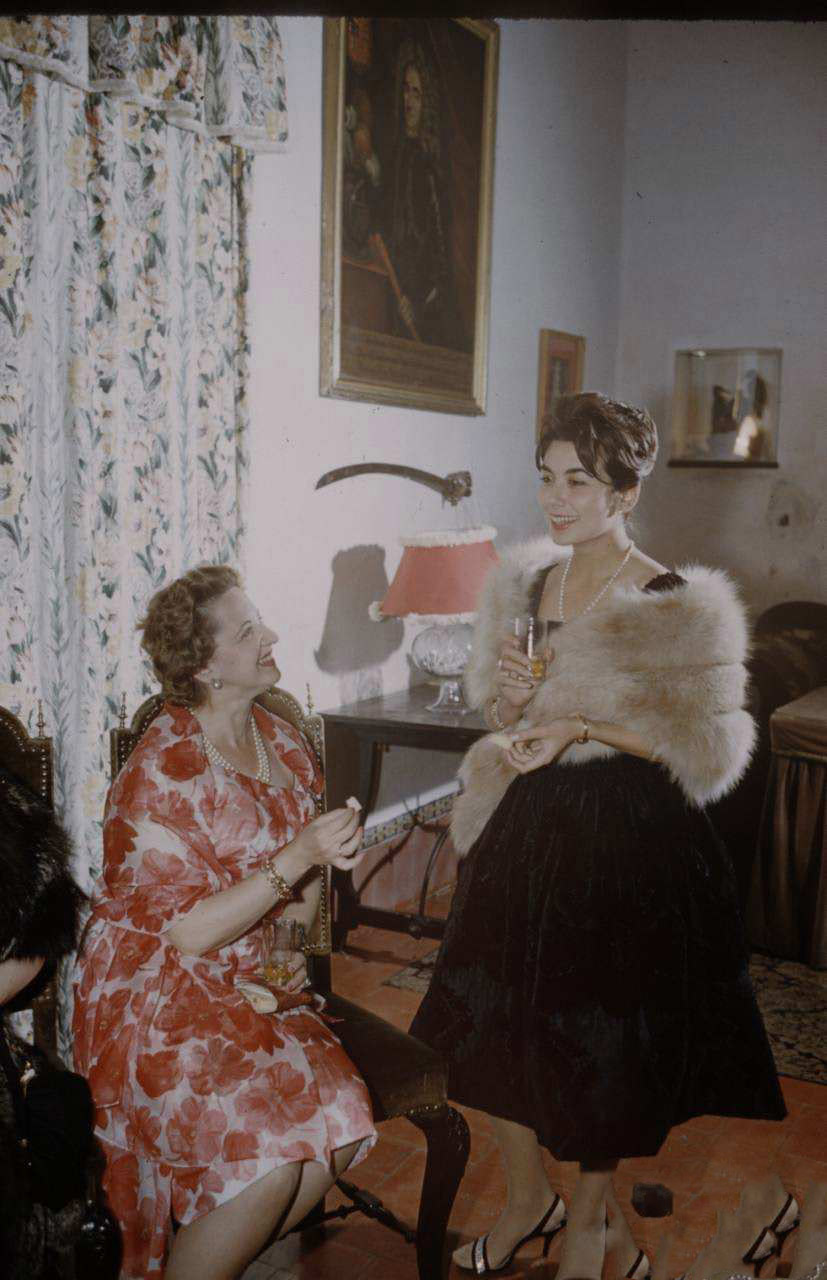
453, 487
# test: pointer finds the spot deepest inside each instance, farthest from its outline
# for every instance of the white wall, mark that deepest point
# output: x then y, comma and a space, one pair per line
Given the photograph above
556, 246
724, 238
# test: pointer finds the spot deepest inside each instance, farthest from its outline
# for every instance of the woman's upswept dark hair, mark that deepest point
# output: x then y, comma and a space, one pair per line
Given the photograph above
178, 633
611, 439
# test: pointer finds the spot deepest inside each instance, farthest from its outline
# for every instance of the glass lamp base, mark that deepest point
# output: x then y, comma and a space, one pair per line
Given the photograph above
450, 698
443, 651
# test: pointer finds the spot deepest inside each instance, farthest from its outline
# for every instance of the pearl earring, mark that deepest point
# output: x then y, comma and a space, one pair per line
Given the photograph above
217, 684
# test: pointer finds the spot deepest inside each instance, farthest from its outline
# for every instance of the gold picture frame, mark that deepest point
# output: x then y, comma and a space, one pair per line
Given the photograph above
561, 360
409, 121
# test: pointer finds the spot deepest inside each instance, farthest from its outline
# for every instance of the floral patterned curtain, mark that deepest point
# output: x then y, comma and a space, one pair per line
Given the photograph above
123, 354
221, 76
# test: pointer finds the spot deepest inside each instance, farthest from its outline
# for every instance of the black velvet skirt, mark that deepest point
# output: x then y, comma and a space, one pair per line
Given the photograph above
592, 983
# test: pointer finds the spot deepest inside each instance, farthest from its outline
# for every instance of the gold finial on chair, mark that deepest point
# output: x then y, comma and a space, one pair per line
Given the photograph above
309, 700
41, 723
122, 712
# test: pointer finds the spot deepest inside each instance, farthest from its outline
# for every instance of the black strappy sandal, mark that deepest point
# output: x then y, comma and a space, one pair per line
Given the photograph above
770, 1239
555, 1216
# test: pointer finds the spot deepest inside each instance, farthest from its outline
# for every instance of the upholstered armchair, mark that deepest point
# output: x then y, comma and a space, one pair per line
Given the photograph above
404, 1076
788, 659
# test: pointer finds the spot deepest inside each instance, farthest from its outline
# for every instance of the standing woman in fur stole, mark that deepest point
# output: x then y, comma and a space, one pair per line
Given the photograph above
592, 989
39, 905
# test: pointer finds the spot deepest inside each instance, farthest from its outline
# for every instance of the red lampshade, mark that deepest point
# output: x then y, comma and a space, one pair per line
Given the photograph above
440, 574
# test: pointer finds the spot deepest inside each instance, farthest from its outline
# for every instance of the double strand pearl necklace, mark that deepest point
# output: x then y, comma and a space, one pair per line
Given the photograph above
601, 593
262, 772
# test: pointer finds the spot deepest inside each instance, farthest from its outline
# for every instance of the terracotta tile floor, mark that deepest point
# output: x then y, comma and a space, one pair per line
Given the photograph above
705, 1162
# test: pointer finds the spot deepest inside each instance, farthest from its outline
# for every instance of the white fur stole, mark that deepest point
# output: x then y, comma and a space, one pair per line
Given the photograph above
667, 664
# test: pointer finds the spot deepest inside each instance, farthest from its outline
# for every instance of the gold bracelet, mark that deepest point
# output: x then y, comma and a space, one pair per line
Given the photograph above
282, 888
494, 712
584, 737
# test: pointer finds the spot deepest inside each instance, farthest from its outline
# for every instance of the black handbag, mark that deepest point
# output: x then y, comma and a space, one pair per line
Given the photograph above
54, 1123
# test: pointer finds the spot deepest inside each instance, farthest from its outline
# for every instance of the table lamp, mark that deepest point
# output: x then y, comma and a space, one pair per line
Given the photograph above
438, 581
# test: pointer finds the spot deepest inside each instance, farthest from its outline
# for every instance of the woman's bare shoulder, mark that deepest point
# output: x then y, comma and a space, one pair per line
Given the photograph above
641, 569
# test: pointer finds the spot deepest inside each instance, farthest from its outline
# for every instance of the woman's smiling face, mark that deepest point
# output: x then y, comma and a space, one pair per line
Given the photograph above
243, 644
577, 505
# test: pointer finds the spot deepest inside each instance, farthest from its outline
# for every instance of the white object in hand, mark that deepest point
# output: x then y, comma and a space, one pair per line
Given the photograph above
260, 997
503, 740
352, 803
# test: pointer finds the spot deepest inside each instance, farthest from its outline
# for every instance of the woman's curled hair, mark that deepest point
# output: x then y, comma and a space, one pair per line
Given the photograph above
612, 440
178, 632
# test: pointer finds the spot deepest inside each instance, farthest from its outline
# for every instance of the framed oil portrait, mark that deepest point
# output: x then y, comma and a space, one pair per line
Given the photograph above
725, 407
562, 356
408, 155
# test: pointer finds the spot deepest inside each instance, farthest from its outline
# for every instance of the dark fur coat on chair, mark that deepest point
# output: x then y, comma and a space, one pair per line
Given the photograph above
39, 904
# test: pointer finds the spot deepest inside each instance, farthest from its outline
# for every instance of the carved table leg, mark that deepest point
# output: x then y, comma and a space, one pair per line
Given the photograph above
449, 1142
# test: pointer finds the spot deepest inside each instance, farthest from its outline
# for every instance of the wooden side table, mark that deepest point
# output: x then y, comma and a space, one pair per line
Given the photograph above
787, 912
356, 739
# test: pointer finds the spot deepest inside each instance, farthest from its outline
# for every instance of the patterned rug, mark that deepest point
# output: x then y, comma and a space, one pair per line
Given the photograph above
792, 997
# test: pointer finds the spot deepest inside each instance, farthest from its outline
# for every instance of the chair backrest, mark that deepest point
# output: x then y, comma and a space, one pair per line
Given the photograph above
789, 652
31, 760
123, 740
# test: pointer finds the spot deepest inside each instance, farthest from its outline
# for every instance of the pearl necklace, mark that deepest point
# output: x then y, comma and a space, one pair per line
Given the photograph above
263, 771
601, 593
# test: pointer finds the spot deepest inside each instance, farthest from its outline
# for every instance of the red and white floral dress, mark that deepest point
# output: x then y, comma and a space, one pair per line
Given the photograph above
197, 1094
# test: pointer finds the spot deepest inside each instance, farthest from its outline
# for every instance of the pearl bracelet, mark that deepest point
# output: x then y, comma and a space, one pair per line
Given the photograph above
282, 888
584, 736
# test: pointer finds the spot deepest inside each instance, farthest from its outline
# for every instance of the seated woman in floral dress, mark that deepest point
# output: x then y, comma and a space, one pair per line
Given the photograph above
229, 1122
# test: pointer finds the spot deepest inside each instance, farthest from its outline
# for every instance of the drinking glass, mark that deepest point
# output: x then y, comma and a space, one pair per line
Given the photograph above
279, 936
533, 635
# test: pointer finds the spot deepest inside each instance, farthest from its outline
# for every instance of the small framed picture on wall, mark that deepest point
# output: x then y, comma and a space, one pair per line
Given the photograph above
562, 356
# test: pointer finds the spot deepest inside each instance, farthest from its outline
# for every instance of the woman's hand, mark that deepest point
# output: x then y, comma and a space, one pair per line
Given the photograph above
532, 748
331, 839
296, 963
515, 683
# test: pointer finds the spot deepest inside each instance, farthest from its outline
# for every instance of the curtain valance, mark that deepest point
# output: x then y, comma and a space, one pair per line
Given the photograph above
220, 75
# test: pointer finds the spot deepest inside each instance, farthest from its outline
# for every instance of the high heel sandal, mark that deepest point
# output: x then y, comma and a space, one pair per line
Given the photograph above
770, 1239
640, 1269
552, 1221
